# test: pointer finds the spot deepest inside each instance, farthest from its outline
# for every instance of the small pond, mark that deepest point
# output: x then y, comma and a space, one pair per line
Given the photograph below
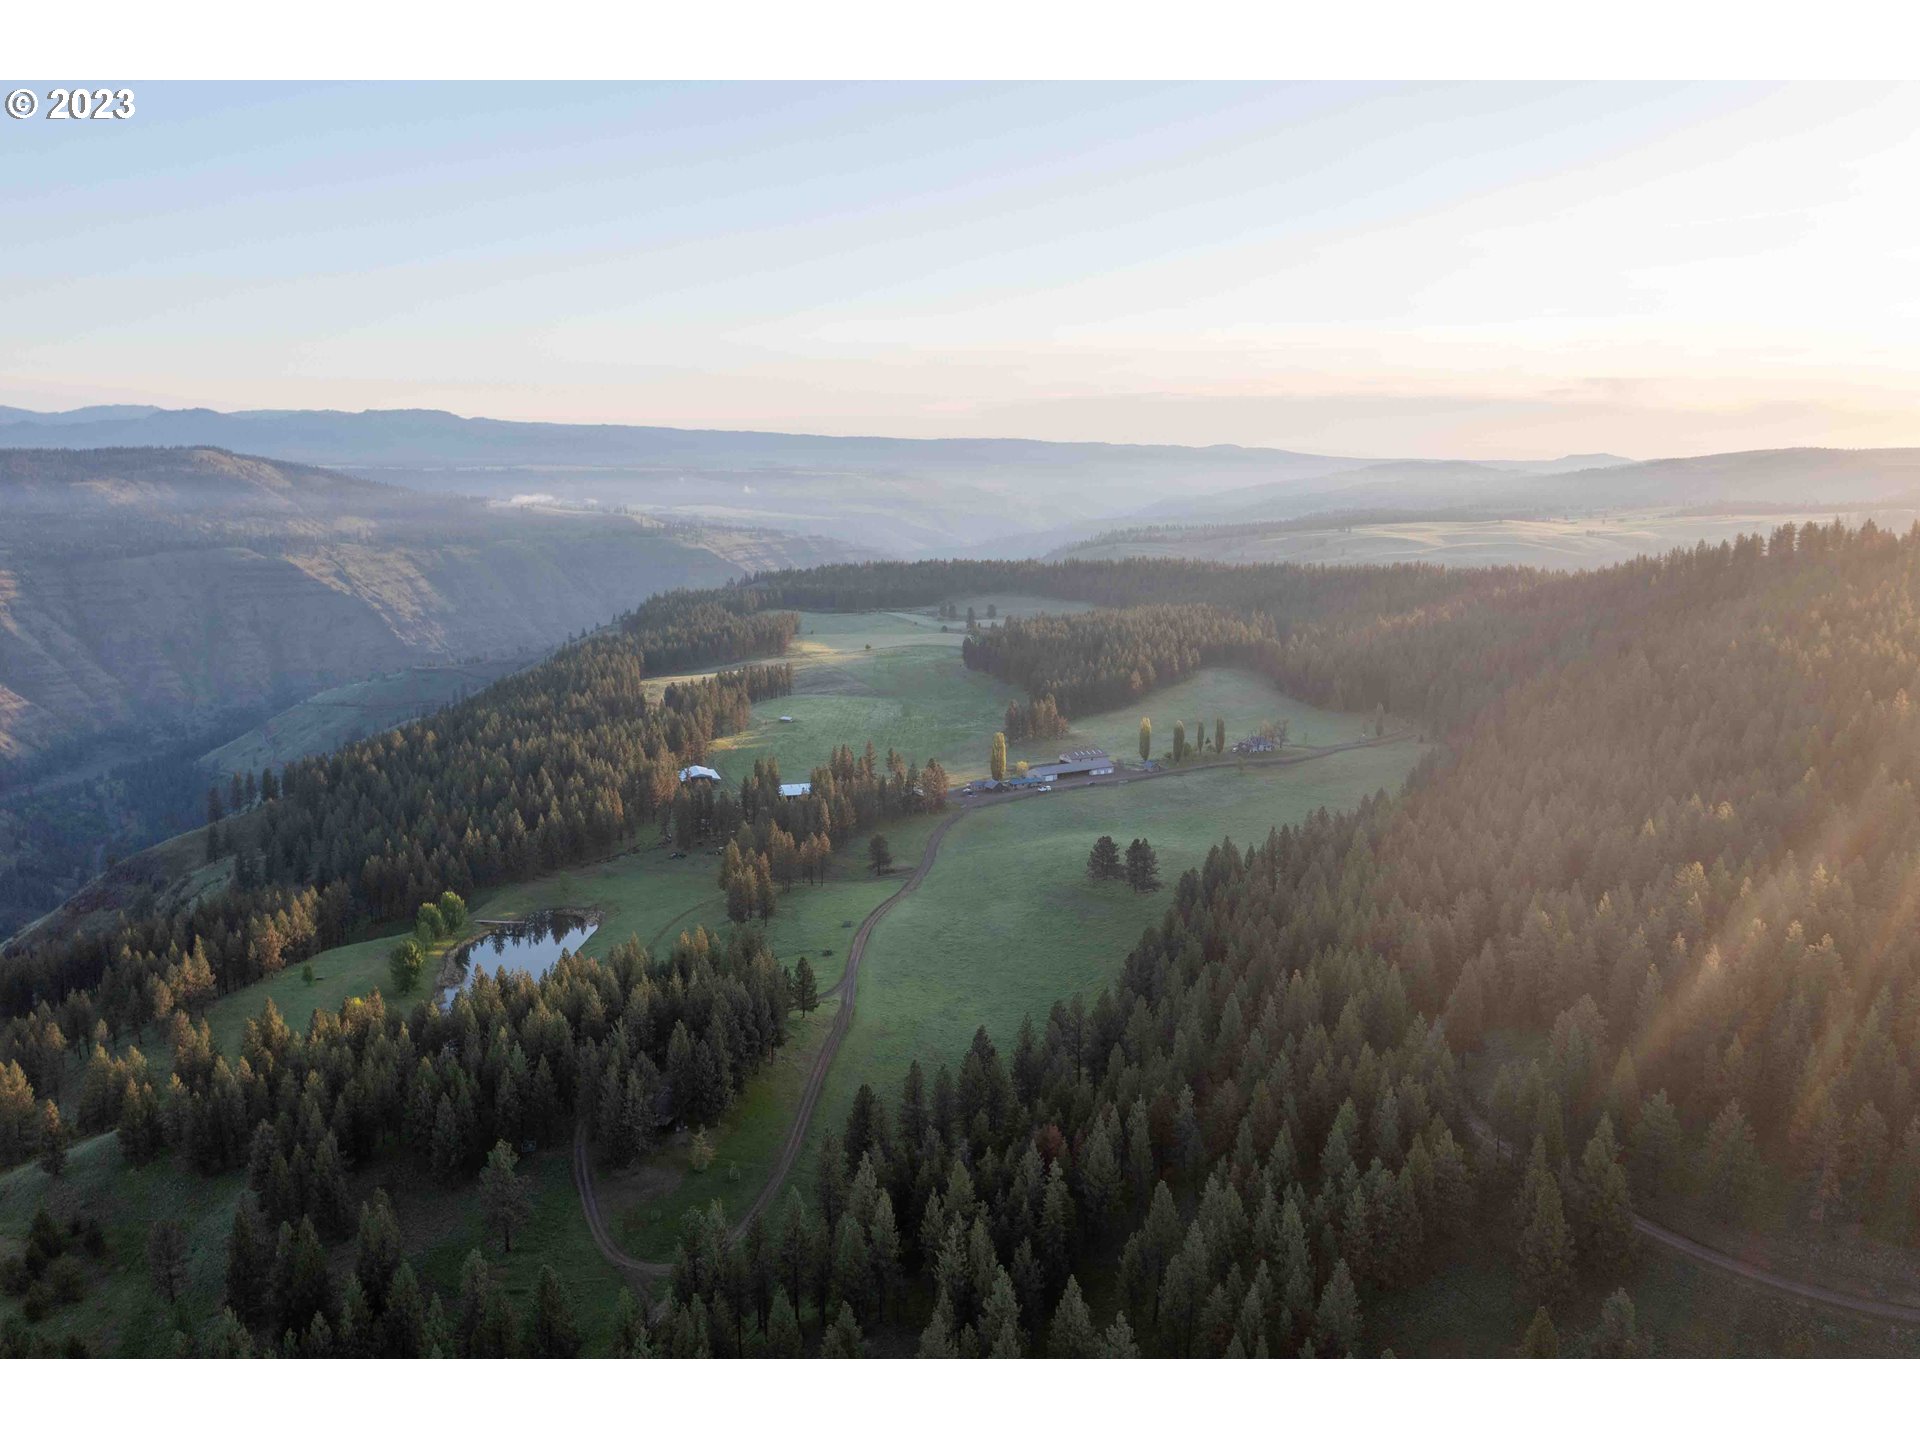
533, 947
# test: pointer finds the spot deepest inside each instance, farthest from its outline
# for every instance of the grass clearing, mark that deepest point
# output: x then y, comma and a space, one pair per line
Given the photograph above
121, 1313
1008, 922
1244, 700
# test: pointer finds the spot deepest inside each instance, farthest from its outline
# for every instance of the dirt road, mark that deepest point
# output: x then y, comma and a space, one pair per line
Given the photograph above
1720, 1260
646, 1270
845, 987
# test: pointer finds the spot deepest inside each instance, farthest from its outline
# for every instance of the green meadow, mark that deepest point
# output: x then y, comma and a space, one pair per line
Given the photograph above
1005, 924
1007, 921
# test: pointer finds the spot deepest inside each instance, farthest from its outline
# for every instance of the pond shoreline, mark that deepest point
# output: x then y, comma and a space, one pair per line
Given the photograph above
452, 974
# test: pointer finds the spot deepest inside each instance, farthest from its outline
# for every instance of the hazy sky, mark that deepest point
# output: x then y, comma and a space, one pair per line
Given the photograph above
1480, 271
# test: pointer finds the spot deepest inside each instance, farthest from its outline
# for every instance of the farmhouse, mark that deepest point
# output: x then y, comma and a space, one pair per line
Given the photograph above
1074, 762
1258, 745
794, 792
699, 772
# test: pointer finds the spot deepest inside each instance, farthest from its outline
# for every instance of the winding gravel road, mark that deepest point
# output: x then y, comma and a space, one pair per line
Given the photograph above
646, 1271
649, 1270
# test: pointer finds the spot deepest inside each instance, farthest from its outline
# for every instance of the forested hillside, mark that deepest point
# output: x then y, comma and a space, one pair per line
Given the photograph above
1676, 849
1637, 934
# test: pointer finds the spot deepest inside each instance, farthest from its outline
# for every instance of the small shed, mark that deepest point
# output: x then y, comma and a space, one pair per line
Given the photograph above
699, 772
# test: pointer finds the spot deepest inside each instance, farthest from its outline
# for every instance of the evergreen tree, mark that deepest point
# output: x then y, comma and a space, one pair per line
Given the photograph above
1072, 1336
377, 1250
783, 1327
631, 1340
1542, 1341
1143, 867
53, 1140
1146, 739
843, 1340
1336, 1322
806, 988
1545, 1247
552, 1332
403, 1321
879, 855
1118, 1342
249, 1261
167, 1257
1731, 1163
1104, 862
1617, 1336
505, 1196
1603, 1236
997, 757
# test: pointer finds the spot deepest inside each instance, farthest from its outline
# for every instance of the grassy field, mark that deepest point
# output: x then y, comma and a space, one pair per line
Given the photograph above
1580, 543
1007, 922
120, 1313
1244, 700
350, 712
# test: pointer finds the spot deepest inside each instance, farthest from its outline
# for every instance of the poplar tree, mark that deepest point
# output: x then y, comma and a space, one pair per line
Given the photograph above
997, 756
1146, 739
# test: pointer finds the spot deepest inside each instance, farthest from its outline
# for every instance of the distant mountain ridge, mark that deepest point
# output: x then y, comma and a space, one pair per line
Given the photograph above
148, 591
899, 496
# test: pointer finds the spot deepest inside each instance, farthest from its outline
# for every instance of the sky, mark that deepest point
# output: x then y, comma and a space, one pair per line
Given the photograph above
1484, 271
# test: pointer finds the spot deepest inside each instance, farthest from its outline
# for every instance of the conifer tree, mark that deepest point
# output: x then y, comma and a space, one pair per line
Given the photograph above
167, 1257
1072, 1336
1545, 1246
249, 1261
403, 1321
1104, 862
1146, 739
1617, 1336
806, 988
1143, 867
53, 1140
504, 1194
997, 756
1603, 1237
552, 1332
1336, 1322
377, 1250
843, 1340
631, 1340
1542, 1341
783, 1327
1118, 1342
